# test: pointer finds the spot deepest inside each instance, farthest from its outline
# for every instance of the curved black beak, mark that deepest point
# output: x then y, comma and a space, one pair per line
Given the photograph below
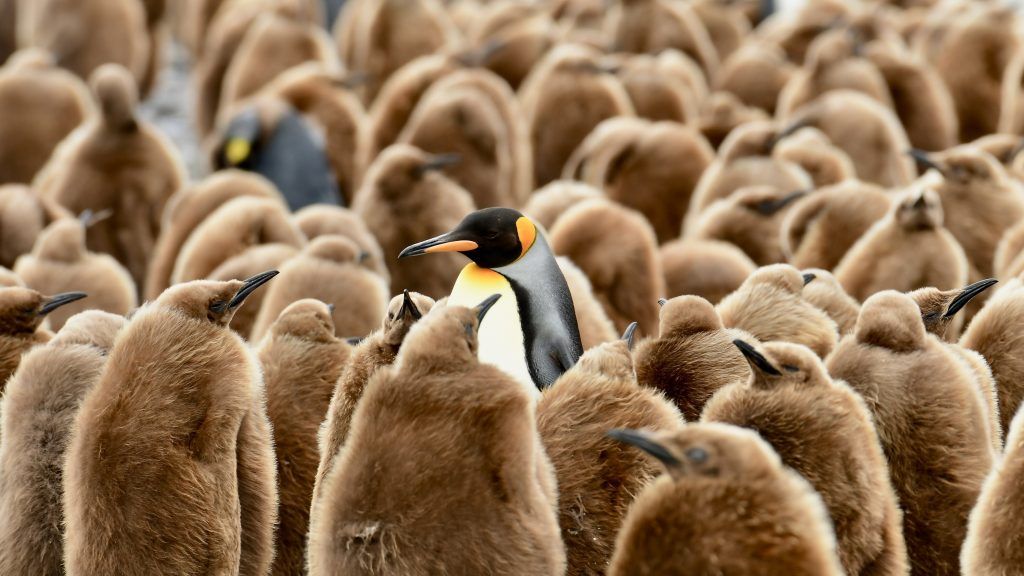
248, 287
808, 278
662, 302
54, 302
756, 359
354, 341
438, 162
645, 442
409, 307
627, 336
483, 307
770, 207
924, 161
482, 55
968, 294
451, 242
787, 131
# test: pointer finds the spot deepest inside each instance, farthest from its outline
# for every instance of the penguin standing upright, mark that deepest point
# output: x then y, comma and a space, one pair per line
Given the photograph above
532, 333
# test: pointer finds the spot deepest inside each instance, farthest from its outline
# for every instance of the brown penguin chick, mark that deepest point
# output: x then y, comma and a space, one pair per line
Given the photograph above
37, 410
930, 418
60, 262
43, 105
823, 430
692, 357
617, 250
825, 292
569, 77
358, 529
378, 350
668, 86
980, 199
117, 162
921, 99
193, 19
594, 324
249, 263
84, 35
906, 250
8, 28
723, 112
272, 44
869, 132
405, 198
770, 306
22, 312
824, 162
9, 279
939, 309
651, 26
456, 116
1003, 147
746, 159
389, 34
324, 220
750, 219
301, 360
705, 268
326, 99
726, 26
23, 215
678, 525
524, 33
983, 35
547, 204
795, 34
821, 227
654, 172
173, 446
231, 229
993, 543
597, 476
187, 209
756, 73
1008, 261
328, 269
833, 63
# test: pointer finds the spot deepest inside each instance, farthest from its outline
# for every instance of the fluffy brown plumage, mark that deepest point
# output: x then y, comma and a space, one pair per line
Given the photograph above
705, 268
751, 219
667, 86
755, 74
547, 204
22, 313
652, 26
252, 261
811, 150
825, 292
23, 215
323, 220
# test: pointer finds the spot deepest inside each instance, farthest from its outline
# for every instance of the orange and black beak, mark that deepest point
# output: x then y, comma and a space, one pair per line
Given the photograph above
454, 241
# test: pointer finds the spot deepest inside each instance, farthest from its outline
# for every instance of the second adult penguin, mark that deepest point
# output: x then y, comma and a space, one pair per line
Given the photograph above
533, 333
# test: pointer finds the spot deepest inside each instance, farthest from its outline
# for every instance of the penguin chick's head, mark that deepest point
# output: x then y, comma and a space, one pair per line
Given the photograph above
705, 450
91, 327
307, 319
446, 339
210, 300
939, 307
684, 315
892, 320
22, 310
116, 95
780, 363
962, 165
920, 210
610, 359
404, 310
492, 237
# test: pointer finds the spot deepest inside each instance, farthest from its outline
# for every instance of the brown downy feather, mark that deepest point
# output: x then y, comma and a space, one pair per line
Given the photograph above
524, 33
756, 73
825, 292
8, 279
823, 161
252, 261
547, 204
651, 26
22, 315
751, 219
23, 216
721, 113
705, 268
668, 86
324, 220
726, 26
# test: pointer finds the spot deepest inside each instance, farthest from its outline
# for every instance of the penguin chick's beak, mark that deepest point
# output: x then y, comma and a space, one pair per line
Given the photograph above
644, 442
438, 162
968, 294
409, 307
808, 278
354, 341
627, 336
662, 302
772, 207
449, 242
248, 287
924, 161
483, 307
54, 302
88, 218
756, 359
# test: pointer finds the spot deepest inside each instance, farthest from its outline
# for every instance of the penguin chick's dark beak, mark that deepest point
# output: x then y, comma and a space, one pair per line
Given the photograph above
483, 307
756, 359
438, 162
54, 302
409, 307
330, 308
644, 442
924, 161
354, 341
88, 218
449, 242
248, 287
662, 302
772, 207
808, 278
627, 336
968, 294
787, 131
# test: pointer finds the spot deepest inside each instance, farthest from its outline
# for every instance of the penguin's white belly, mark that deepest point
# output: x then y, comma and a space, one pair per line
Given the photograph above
501, 334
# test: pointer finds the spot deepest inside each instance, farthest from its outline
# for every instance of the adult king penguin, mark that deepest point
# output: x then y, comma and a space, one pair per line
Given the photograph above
531, 333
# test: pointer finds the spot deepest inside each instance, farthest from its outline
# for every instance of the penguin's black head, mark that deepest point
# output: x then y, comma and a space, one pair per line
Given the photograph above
491, 238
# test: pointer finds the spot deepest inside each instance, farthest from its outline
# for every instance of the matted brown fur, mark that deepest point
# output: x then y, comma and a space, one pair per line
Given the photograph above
547, 204
617, 250
751, 219
403, 204
328, 269
594, 324
20, 327
37, 412
822, 226
823, 430
23, 215
437, 438
60, 262
254, 260
906, 250
931, 420
597, 476
116, 162
322, 219
230, 230
737, 511
825, 292
301, 361
170, 469
651, 26
42, 104
770, 306
692, 357
705, 268
755, 74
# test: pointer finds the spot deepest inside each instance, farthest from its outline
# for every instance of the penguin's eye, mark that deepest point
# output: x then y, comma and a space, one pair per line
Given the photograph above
493, 235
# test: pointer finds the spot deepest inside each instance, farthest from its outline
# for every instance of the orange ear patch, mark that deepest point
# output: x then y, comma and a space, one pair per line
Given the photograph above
527, 234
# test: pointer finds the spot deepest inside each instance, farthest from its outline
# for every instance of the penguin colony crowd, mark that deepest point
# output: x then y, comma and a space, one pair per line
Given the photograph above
808, 228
